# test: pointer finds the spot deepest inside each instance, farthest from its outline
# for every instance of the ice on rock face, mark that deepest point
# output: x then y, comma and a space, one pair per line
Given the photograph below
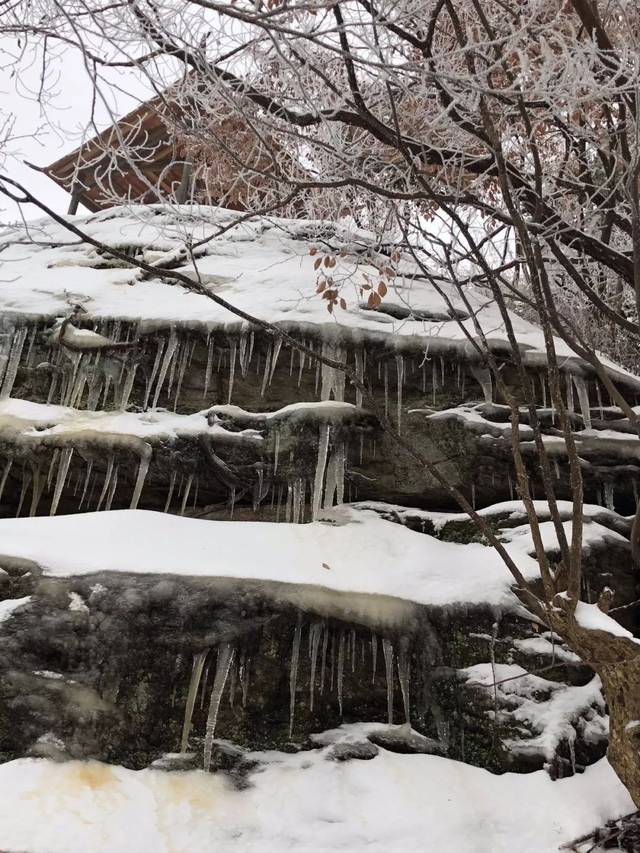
225, 659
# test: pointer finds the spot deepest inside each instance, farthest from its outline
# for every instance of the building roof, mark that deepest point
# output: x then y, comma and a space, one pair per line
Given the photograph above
99, 175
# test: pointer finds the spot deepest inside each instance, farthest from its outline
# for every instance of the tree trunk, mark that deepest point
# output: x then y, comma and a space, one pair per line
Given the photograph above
617, 661
621, 685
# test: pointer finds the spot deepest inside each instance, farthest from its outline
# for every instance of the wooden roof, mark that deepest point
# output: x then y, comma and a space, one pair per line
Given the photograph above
99, 174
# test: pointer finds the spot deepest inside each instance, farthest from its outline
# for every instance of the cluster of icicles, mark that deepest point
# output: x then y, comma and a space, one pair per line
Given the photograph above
100, 376
332, 652
104, 378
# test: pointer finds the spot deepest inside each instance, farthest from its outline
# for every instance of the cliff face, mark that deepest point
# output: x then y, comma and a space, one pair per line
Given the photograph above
131, 635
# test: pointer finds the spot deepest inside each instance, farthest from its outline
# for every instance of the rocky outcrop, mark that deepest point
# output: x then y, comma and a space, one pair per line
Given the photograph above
148, 397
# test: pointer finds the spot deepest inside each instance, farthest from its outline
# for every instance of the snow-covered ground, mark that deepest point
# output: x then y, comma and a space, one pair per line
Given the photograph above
304, 803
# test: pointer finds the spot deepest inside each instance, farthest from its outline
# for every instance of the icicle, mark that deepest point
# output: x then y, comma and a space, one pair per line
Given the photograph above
323, 663
321, 464
569, 383
112, 490
277, 346
209, 368
572, 753
276, 451
599, 398
172, 483
583, 399
267, 371
333, 379
315, 633
5, 475
374, 657
105, 485
153, 374
386, 390
483, 377
183, 361
301, 357
434, 382
203, 692
23, 492
335, 477
63, 470
359, 364
128, 386
143, 468
185, 496
243, 352
510, 485
387, 648
634, 486
172, 345
556, 468
232, 368
609, 501
196, 674
37, 485
13, 362
244, 679
404, 675
293, 673
340, 675
86, 482
175, 362
400, 379
225, 658
544, 391
52, 466
353, 650
233, 681
32, 339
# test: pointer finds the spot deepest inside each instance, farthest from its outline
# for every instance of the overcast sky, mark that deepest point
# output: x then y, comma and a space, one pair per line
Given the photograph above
50, 130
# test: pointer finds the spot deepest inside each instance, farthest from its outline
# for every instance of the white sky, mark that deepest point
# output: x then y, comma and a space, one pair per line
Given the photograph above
50, 130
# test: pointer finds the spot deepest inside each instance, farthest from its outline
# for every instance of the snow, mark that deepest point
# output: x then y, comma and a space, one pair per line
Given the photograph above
543, 646
369, 556
390, 804
590, 616
552, 718
511, 510
10, 605
37, 421
262, 267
